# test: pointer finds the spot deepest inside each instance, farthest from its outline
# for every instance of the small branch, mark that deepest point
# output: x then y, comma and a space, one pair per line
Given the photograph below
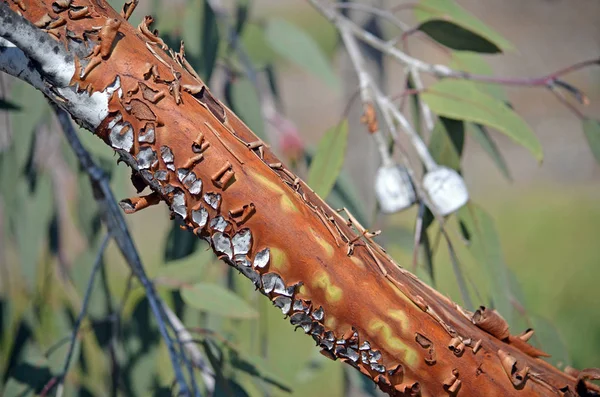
118, 228
441, 71
82, 313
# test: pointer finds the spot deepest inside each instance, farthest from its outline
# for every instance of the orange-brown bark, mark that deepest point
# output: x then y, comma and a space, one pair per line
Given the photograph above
320, 269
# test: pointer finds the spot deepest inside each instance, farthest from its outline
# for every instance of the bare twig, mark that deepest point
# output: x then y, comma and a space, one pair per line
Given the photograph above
118, 228
82, 313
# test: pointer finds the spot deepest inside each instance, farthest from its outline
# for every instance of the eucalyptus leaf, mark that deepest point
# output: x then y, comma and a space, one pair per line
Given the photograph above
448, 10
243, 99
458, 99
591, 129
481, 135
212, 298
180, 243
457, 37
31, 226
9, 106
328, 160
298, 47
447, 141
486, 250
548, 338
257, 367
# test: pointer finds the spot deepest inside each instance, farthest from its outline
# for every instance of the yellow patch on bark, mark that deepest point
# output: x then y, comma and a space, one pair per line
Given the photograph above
392, 343
332, 292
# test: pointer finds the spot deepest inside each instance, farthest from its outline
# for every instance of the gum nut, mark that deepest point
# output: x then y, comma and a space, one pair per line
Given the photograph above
394, 189
446, 190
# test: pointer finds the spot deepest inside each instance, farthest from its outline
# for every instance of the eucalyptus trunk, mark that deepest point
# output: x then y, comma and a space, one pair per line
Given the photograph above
322, 270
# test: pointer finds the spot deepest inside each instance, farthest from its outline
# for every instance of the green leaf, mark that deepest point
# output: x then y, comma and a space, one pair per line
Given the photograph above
591, 128
35, 109
447, 141
201, 36
483, 138
462, 100
257, 367
31, 224
245, 102
328, 160
210, 42
473, 63
297, 46
547, 338
8, 105
180, 243
186, 271
212, 298
254, 41
485, 248
456, 37
449, 11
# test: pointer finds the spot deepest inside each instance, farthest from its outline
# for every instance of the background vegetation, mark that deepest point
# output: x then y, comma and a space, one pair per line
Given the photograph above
540, 221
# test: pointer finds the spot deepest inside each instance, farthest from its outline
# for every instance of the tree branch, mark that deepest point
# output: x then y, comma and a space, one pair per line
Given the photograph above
334, 283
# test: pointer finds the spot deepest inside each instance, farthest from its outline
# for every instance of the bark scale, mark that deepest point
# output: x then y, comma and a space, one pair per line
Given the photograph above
320, 269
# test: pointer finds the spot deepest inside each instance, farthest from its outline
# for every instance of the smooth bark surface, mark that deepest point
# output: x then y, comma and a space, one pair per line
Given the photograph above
323, 271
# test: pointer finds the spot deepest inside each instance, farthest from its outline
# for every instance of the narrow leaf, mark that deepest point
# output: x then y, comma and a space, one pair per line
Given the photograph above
457, 37
447, 141
591, 128
483, 138
464, 101
245, 102
298, 47
449, 11
8, 105
486, 250
328, 160
212, 298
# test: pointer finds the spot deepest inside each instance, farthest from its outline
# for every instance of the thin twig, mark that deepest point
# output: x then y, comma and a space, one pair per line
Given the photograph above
82, 313
118, 228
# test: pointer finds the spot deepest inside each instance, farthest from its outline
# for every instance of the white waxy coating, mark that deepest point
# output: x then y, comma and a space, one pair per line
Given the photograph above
178, 205
242, 242
261, 260
446, 190
394, 189
222, 244
200, 217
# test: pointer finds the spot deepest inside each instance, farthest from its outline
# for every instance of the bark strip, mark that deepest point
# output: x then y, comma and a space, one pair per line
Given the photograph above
319, 268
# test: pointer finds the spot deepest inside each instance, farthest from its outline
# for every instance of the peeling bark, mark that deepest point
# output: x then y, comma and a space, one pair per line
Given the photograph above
322, 270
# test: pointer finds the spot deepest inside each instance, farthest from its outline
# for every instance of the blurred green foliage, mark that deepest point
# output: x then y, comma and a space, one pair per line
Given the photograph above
515, 255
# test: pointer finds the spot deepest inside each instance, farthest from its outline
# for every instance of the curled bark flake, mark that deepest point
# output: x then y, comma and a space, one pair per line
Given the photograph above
76, 13
151, 95
452, 384
21, 4
128, 8
242, 214
204, 96
456, 346
223, 176
491, 322
59, 6
192, 161
135, 204
144, 28
43, 21
107, 35
509, 364
526, 347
